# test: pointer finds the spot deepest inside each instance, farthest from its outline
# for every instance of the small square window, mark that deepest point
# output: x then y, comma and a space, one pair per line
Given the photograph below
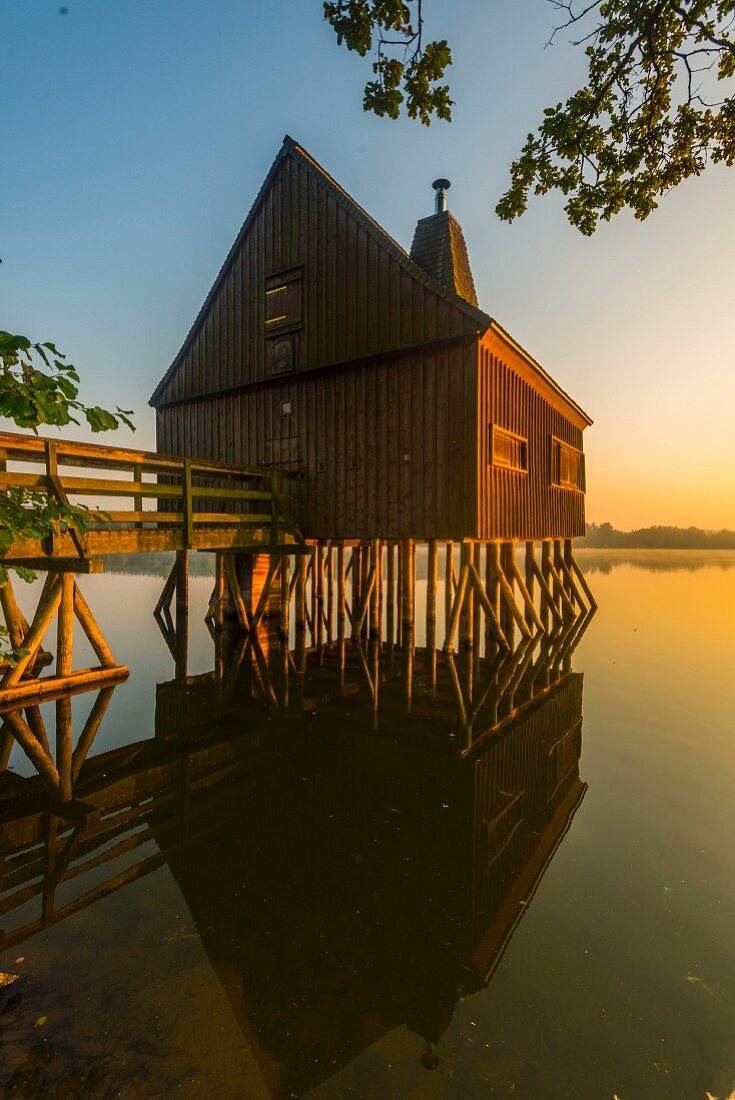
567, 465
508, 449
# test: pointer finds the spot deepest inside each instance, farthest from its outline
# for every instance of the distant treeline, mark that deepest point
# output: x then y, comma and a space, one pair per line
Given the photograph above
604, 535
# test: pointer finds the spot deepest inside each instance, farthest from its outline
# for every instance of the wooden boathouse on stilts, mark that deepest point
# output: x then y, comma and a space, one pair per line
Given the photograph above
341, 420
408, 415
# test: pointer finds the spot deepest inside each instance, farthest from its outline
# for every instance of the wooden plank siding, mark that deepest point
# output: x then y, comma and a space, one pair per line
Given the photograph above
388, 447
389, 364
358, 299
512, 504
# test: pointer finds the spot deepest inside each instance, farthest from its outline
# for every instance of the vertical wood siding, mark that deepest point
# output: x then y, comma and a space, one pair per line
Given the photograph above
350, 431
357, 298
514, 505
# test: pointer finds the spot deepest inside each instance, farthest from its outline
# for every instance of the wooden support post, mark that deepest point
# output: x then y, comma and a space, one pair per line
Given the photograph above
341, 612
466, 639
317, 603
583, 582
546, 580
507, 619
456, 608
188, 507
330, 592
14, 620
6, 744
284, 632
432, 580
375, 552
449, 584
301, 566
408, 555
47, 606
492, 590
560, 581
91, 629
399, 595
476, 612
137, 498
531, 583
64, 641
390, 608
531, 616
356, 586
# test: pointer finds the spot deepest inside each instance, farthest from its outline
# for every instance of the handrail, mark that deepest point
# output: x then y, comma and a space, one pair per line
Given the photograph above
191, 497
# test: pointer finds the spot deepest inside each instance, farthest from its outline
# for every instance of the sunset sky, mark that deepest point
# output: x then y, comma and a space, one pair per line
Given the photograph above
136, 135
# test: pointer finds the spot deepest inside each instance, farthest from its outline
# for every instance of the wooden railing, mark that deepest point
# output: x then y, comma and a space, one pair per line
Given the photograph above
193, 503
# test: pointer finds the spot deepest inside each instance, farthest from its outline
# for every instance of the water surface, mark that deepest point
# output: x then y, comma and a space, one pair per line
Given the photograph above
330, 909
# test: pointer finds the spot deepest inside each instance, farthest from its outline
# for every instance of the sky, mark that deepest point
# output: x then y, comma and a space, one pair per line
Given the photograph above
136, 134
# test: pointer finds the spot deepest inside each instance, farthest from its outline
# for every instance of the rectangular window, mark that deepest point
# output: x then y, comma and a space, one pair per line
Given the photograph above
283, 301
507, 449
567, 465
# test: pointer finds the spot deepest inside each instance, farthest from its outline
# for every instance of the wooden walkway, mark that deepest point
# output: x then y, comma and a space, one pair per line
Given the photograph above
169, 504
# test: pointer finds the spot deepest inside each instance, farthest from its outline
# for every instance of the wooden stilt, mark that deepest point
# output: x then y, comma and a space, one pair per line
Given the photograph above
530, 582
476, 612
505, 579
592, 602
318, 600
432, 580
466, 638
284, 633
375, 553
408, 555
47, 607
330, 593
6, 744
341, 612
390, 606
492, 591
64, 641
449, 584
546, 584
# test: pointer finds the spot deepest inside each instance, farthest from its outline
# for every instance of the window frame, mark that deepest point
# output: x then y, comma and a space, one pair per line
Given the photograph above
555, 466
278, 281
522, 439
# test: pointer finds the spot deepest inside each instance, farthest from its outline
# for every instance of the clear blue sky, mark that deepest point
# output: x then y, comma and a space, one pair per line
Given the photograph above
137, 132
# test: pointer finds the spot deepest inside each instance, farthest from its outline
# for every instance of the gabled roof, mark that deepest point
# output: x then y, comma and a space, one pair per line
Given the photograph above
463, 278
440, 250
292, 148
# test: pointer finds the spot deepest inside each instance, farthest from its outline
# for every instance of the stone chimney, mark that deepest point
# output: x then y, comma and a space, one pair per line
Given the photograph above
439, 248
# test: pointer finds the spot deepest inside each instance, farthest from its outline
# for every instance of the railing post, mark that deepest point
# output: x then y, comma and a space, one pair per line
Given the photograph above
188, 512
138, 499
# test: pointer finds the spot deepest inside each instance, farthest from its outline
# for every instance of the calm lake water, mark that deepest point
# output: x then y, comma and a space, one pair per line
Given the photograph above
260, 908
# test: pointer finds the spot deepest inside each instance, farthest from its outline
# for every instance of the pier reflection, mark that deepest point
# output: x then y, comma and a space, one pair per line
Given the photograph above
355, 834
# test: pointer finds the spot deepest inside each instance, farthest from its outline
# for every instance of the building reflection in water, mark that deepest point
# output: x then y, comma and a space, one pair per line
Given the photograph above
356, 843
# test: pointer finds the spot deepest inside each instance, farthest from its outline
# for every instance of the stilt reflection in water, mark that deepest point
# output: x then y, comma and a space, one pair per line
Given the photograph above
342, 883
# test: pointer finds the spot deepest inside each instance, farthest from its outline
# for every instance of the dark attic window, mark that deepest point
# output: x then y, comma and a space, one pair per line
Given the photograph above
567, 466
508, 449
284, 319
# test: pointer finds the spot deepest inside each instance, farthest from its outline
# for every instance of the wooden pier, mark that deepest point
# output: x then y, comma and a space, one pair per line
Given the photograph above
174, 504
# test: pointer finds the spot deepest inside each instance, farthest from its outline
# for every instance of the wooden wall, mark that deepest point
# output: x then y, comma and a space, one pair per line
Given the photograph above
514, 505
358, 299
388, 447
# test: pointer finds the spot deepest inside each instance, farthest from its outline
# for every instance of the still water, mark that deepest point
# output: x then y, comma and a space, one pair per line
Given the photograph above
247, 907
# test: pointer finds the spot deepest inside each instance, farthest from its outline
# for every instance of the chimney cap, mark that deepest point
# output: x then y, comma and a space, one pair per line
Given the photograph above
441, 185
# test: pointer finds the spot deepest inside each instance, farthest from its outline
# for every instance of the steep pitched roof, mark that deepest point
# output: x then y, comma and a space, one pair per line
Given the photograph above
461, 268
292, 148
439, 248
